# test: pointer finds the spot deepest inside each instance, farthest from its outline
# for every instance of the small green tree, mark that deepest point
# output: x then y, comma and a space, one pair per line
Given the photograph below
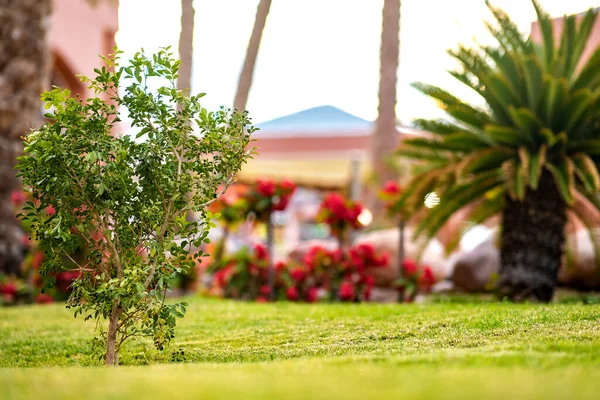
127, 199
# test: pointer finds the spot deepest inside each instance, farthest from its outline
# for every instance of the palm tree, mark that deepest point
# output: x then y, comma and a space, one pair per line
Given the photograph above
529, 153
385, 137
24, 70
186, 45
245, 81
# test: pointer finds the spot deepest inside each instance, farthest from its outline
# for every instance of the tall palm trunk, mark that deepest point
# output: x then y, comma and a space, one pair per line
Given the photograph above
245, 81
385, 137
533, 239
24, 70
186, 45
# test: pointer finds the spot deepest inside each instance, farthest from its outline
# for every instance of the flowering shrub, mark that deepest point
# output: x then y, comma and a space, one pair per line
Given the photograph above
324, 275
340, 214
266, 196
25, 285
414, 280
244, 275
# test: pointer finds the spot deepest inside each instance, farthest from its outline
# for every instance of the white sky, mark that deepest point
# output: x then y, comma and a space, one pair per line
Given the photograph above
317, 52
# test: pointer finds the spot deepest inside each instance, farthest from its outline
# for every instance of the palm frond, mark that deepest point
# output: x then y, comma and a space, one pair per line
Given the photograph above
589, 77
586, 170
483, 160
536, 165
584, 29
563, 173
457, 197
547, 29
508, 136
564, 65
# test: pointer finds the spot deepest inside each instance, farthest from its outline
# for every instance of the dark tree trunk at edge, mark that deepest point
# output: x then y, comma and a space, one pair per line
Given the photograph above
24, 71
533, 239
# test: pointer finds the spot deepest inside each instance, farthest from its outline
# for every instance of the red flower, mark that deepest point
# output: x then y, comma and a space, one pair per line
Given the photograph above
222, 276
9, 289
18, 197
281, 203
43, 298
261, 299
312, 294
292, 293
369, 281
410, 267
427, 278
50, 210
298, 274
261, 252
265, 187
280, 266
288, 186
346, 291
265, 290
391, 187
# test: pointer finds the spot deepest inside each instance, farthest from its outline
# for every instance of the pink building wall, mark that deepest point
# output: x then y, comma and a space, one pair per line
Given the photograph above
79, 33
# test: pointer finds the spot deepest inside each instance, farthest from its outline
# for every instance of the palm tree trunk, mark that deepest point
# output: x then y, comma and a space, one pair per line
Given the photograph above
24, 71
245, 81
533, 239
385, 138
186, 45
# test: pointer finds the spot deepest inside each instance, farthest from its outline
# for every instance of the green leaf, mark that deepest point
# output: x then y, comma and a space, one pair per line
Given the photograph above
547, 27
563, 173
586, 170
577, 107
556, 91
507, 136
538, 159
483, 160
532, 69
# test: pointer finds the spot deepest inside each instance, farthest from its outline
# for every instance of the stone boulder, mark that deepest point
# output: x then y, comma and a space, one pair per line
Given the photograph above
473, 270
580, 270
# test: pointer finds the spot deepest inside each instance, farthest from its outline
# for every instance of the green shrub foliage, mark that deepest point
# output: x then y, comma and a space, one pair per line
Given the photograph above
127, 198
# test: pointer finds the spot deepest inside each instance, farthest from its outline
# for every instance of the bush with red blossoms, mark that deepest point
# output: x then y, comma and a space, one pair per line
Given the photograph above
244, 276
324, 275
340, 214
266, 196
15, 289
414, 279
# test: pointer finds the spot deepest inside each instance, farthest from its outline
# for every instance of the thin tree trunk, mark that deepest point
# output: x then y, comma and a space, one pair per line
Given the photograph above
112, 357
271, 250
401, 252
24, 72
245, 82
385, 137
186, 45
533, 240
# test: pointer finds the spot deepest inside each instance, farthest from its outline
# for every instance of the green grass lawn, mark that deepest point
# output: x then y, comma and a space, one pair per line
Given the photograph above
243, 350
